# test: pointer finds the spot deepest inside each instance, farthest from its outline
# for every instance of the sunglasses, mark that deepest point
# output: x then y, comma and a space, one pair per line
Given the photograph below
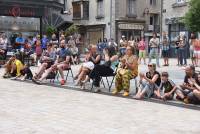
150, 65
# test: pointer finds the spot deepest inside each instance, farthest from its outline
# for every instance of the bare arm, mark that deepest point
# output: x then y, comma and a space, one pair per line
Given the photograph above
97, 59
132, 65
153, 80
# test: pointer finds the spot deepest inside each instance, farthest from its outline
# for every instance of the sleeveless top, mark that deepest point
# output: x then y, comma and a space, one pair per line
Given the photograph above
158, 81
95, 56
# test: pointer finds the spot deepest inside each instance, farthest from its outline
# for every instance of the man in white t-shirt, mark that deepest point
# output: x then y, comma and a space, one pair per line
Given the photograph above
154, 49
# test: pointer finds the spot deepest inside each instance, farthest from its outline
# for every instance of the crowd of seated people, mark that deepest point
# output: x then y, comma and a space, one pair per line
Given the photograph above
55, 59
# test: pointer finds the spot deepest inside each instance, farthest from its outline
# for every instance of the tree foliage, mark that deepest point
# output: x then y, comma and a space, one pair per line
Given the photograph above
71, 30
50, 30
192, 17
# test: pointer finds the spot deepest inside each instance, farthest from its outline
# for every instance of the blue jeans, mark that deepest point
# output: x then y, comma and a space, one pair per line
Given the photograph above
122, 51
182, 56
148, 88
154, 53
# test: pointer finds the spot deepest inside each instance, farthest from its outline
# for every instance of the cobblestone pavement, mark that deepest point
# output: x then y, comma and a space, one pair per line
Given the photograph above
38, 109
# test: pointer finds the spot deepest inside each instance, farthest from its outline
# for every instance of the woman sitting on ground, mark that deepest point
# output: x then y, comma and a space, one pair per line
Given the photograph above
47, 60
92, 59
13, 68
148, 82
105, 69
127, 71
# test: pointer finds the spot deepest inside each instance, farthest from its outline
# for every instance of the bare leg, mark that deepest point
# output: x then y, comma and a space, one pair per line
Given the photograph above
80, 70
157, 93
41, 70
44, 76
197, 94
180, 94
139, 61
144, 60
60, 69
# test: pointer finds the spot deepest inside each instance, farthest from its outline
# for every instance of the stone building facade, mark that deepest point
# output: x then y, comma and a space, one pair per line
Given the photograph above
98, 19
172, 22
31, 17
173, 13
137, 18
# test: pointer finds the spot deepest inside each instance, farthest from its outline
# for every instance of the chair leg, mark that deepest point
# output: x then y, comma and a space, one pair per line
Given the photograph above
136, 87
111, 83
107, 82
72, 75
103, 82
92, 87
67, 74
57, 76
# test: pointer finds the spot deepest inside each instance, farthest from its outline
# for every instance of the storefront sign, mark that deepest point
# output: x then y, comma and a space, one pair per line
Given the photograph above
173, 20
18, 11
131, 26
16, 23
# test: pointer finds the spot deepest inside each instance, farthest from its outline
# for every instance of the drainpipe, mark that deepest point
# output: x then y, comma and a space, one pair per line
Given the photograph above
65, 5
111, 2
161, 18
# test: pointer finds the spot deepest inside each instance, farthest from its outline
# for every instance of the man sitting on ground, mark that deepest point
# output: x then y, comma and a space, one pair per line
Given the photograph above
186, 92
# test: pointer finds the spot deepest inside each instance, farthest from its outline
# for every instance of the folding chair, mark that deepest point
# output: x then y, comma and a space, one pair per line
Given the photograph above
113, 77
68, 70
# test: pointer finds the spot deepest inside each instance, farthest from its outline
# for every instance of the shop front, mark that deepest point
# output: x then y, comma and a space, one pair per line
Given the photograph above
91, 34
135, 30
15, 19
175, 29
30, 17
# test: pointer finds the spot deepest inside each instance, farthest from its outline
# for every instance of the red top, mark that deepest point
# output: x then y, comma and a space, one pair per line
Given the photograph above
141, 45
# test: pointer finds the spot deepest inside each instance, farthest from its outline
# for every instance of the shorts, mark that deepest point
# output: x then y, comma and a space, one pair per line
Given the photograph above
89, 65
165, 53
49, 64
142, 54
191, 53
197, 54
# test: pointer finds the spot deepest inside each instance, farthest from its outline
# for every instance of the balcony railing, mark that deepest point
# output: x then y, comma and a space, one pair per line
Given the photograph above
179, 4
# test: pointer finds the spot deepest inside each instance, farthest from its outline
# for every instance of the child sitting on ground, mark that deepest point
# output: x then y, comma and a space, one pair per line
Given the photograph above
26, 73
167, 88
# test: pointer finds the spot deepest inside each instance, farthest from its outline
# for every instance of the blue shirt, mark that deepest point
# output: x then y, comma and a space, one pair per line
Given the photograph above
19, 40
44, 43
63, 53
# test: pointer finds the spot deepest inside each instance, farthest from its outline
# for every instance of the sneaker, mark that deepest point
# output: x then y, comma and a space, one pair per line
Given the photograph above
62, 82
36, 81
114, 92
7, 76
186, 101
126, 94
97, 89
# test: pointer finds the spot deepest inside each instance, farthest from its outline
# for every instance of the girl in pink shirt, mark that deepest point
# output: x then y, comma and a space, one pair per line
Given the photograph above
142, 50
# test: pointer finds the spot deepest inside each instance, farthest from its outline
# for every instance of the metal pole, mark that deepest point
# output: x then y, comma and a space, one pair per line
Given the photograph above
111, 2
161, 17
65, 5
